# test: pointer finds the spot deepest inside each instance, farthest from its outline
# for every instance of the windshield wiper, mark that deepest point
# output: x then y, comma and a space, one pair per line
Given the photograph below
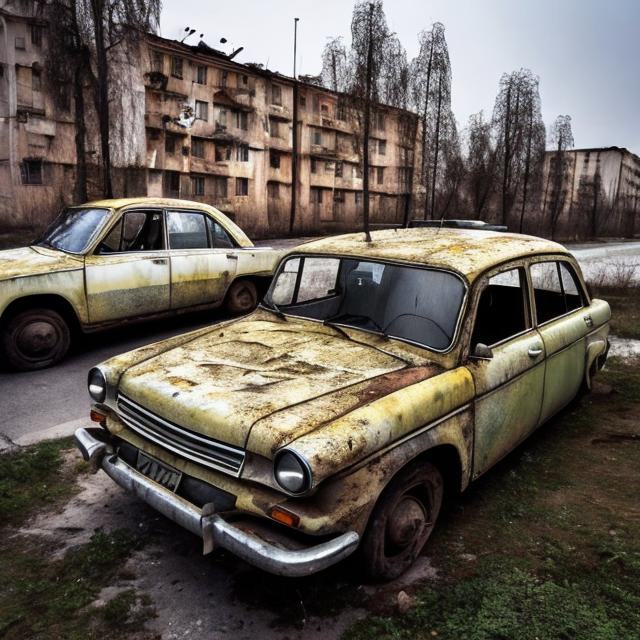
342, 316
274, 308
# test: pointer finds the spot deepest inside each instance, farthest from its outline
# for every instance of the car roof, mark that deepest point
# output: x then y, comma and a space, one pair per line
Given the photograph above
118, 203
466, 251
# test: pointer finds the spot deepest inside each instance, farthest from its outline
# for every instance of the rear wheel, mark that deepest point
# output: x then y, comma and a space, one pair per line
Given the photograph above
242, 297
402, 521
35, 339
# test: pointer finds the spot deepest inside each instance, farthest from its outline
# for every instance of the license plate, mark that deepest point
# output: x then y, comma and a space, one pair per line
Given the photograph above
158, 471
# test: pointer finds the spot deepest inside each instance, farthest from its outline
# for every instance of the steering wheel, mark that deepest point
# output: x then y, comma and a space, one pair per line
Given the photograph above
415, 315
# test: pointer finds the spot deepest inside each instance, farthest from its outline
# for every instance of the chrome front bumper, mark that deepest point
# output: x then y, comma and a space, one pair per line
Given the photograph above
211, 527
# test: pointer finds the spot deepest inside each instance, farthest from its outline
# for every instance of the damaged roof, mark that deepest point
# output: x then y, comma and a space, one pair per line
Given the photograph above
466, 251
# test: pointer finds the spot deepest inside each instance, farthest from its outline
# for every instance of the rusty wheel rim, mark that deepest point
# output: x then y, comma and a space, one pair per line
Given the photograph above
38, 340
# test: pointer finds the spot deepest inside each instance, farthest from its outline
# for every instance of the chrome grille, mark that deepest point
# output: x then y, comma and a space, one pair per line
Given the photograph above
187, 444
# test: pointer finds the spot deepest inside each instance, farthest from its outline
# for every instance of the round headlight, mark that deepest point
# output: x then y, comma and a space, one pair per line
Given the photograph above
97, 385
292, 473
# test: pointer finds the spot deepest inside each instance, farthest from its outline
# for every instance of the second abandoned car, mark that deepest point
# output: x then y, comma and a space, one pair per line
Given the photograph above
375, 377
113, 261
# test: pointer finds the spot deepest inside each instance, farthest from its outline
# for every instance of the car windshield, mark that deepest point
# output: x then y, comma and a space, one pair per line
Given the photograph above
417, 304
74, 229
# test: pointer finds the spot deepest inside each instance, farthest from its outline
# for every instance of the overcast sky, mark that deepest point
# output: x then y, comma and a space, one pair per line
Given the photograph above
586, 52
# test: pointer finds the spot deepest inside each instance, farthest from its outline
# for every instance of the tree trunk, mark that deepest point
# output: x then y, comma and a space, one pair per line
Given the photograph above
408, 202
527, 169
367, 127
102, 66
423, 173
437, 149
507, 156
80, 137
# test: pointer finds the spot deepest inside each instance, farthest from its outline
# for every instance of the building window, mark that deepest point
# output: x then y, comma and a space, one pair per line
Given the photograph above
242, 120
157, 62
380, 121
324, 108
382, 147
314, 165
357, 171
358, 198
172, 182
303, 102
274, 159
197, 147
276, 94
274, 128
339, 166
242, 153
316, 104
202, 110
176, 67
169, 143
36, 35
338, 196
223, 152
242, 186
244, 79
20, 44
197, 185
36, 79
317, 137
224, 76
220, 117
273, 190
219, 188
31, 171
201, 74
380, 175
315, 195
341, 110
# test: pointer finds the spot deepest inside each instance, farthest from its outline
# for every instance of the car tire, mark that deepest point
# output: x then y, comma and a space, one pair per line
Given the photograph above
35, 339
242, 297
402, 521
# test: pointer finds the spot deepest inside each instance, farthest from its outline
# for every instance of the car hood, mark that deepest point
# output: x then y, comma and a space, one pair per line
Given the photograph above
296, 373
31, 261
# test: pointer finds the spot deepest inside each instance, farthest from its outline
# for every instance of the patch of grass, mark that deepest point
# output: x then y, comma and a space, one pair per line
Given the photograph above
33, 478
555, 533
48, 599
625, 309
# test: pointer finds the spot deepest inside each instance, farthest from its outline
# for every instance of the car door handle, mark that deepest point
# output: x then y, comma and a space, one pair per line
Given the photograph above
534, 352
232, 256
159, 261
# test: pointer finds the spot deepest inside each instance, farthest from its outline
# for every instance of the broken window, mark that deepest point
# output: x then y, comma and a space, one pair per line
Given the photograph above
382, 147
221, 117
242, 120
276, 94
242, 186
219, 188
31, 171
273, 190
314, 165
36, 79
20, 44
172, 183
223, 152
197, 185
176, 67
201, 74
555, 290
339, 166
202, 110
242, 153
170, 143
36, 35
197, 147
315, 195
244, 79
380, 175
274, 159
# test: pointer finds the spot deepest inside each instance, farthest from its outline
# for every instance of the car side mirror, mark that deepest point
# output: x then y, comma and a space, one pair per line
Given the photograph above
482, 352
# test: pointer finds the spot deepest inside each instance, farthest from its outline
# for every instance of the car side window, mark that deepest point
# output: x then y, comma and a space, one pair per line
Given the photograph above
554, 289
187, 230
219, 237
136, 231
501, 312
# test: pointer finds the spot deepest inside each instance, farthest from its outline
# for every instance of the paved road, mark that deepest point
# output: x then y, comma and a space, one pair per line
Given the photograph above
57, 397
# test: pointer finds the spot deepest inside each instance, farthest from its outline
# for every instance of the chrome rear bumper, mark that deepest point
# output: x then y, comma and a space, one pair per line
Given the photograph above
212, 528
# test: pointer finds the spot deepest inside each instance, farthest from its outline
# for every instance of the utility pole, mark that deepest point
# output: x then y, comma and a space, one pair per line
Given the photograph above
294, 133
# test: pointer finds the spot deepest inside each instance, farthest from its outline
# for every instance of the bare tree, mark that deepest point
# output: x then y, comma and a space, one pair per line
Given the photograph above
481, 163
562, 137
394, 75
335, 66
369, 37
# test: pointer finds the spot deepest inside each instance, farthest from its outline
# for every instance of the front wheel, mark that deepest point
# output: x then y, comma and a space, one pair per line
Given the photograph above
35, 339
402, 521
242, 297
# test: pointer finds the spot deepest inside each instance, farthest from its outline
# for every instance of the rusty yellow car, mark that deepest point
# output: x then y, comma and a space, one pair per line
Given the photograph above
375, 378
114, 261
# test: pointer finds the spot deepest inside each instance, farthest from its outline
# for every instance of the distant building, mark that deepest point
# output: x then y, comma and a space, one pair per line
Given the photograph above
599, 194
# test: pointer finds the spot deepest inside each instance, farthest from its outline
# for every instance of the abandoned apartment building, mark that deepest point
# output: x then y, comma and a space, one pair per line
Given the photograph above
195, 124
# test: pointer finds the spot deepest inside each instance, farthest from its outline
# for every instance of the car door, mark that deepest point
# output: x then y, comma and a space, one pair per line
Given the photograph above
507, 364
563, 322
203, 262
128, 275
